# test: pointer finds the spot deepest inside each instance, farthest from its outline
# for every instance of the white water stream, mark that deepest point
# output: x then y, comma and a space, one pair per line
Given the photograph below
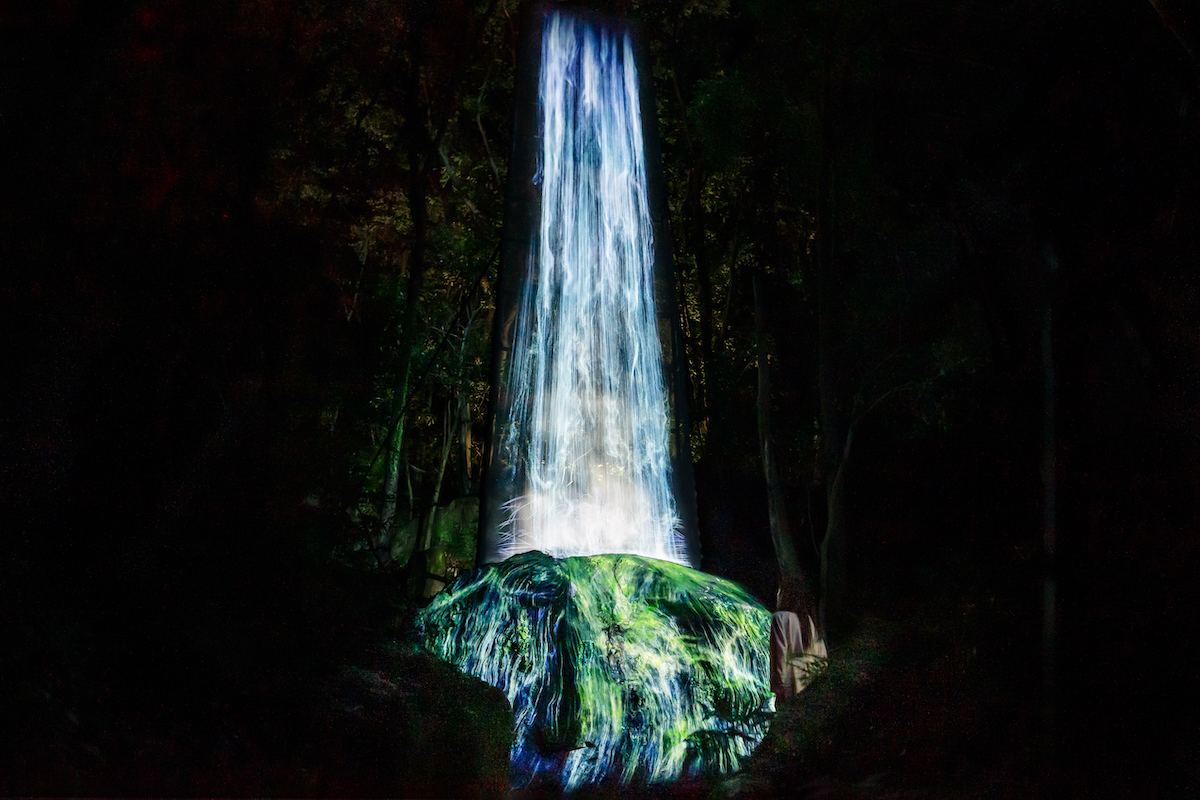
587, 434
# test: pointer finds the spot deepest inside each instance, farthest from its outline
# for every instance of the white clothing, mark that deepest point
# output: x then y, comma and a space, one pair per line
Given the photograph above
791, 661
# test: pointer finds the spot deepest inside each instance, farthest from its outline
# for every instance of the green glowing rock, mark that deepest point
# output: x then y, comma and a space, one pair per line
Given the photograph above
618, 667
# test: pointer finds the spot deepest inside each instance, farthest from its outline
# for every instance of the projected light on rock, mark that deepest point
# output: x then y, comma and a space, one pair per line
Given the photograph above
618, 667
583, 444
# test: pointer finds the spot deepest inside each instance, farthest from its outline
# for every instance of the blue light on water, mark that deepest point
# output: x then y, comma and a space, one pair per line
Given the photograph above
621, 663
587, 436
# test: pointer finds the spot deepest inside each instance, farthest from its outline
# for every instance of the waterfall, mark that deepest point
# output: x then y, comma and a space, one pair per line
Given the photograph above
620, 666
586, 439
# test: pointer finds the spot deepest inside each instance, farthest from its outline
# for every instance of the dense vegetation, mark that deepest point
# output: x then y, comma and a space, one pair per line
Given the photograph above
941, 254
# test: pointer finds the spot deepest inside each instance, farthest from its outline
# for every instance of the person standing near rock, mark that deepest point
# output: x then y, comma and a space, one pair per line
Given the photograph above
795, 648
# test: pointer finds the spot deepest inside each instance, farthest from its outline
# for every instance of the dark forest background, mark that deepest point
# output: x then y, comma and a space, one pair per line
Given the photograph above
247, 259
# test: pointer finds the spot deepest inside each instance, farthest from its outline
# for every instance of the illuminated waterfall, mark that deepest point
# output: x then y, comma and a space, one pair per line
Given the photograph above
586, 439
620, 665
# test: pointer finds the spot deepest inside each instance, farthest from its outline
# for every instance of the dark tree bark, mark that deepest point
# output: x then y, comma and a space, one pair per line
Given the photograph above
793, 587
464, 441
835, 586
448, 431
419, 149
836, 429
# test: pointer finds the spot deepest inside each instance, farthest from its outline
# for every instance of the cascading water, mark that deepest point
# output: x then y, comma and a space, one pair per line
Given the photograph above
587, 430
619, 665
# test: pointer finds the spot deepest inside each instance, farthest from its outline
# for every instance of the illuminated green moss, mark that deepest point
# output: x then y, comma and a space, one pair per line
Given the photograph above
617, 666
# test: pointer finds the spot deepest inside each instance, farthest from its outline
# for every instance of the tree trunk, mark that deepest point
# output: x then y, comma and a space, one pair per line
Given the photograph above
448, 429
462, 403
835, 589
391, 487
418, 140
464, 441
794, 590
836, 425
387, 520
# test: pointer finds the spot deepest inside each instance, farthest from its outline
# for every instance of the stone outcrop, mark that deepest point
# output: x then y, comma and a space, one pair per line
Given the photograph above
621, 669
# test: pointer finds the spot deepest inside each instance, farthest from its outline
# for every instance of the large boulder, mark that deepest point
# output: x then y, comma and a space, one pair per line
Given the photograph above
410, 725
619, 668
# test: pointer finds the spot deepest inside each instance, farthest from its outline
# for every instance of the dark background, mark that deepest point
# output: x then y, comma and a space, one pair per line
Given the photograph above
165, 344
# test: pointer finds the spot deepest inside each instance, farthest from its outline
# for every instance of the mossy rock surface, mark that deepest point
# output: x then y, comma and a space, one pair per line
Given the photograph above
453, 534
619, 668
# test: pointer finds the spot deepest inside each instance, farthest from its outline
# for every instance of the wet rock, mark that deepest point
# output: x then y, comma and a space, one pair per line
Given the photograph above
623, 669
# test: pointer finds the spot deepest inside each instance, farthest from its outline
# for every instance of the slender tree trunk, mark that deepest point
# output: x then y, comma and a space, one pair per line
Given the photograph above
391, 481
433, 565
462, 407
792, 584
455, 419
837, 427
419, 146
406, 346
387, 519
412, 498
464, 441
835, 589
448, 430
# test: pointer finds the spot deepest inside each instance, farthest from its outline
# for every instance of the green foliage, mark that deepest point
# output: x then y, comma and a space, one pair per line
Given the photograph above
385, 94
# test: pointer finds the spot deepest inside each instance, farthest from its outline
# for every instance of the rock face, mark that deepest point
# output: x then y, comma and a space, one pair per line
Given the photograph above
409, 725
450, 548
396, 724
619, 668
